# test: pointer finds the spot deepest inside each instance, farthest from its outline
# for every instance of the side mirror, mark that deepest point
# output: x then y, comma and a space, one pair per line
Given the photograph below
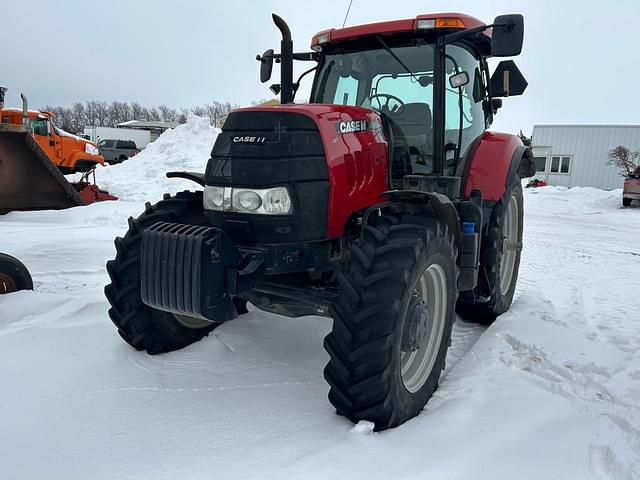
507, 35
266, 65
507, 80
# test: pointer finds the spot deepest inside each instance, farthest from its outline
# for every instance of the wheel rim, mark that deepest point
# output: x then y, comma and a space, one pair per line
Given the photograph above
510, 229
7, 284
416, 365
191, 322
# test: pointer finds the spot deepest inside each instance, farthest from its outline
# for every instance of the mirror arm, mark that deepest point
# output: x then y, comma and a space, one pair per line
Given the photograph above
306, 56
455, 36
296, 85
300, 56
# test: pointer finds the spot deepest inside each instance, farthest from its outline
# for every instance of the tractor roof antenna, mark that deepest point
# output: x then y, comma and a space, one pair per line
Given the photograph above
347, 14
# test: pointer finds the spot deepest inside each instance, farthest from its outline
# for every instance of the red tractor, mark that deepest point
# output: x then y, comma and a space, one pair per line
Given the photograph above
383, 203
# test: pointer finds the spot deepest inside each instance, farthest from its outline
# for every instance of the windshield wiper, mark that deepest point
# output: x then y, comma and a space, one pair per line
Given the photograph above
392, 53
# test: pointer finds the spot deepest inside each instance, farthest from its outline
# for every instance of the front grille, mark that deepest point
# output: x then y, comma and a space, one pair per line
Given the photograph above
290, 150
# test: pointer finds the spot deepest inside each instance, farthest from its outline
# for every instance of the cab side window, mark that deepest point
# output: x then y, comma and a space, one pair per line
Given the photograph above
39, 126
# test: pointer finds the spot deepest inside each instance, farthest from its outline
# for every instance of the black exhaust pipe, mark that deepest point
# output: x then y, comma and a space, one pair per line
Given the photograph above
286, 60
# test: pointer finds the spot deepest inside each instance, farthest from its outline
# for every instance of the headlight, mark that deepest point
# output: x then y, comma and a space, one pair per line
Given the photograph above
248, 200
268, 201
213, 197
277, 201
90, 149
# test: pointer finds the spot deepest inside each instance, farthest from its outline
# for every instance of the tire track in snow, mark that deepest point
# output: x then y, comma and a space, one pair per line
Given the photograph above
463, 337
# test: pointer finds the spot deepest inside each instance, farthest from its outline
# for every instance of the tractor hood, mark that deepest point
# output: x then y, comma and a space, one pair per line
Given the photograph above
327, 155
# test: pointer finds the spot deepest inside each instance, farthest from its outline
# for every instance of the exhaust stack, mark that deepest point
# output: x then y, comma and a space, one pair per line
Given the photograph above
286, 60
25, 110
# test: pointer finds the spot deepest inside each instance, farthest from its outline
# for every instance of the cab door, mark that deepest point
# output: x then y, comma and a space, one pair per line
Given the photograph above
464, 113
44, 135
57, 143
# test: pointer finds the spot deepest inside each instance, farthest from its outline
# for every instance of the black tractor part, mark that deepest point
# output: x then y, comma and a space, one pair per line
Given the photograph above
140, 325
14, 275
500, 260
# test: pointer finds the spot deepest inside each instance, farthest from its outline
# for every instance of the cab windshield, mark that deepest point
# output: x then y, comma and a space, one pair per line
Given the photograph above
401, 88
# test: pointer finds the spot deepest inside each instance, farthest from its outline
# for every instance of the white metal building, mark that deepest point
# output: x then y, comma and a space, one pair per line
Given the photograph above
576, 155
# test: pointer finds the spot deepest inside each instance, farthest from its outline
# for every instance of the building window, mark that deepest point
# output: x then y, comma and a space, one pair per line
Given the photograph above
541, 164
560, 164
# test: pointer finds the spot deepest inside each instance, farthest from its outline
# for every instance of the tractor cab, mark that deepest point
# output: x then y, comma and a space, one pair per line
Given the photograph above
427, 77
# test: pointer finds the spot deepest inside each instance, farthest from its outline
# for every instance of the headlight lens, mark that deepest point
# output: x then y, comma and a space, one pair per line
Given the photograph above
213, 197
90, 149
268, 201
248, 200
277, 201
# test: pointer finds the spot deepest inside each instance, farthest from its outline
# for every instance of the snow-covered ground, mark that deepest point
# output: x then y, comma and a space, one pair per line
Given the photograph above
551, 390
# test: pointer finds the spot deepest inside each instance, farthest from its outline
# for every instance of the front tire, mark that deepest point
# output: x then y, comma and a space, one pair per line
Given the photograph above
500, 260
392, 320
626, 202
141, 326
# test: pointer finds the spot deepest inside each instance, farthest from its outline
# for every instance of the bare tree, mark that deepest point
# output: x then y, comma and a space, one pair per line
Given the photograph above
624, 159
216, 111
138, 112
183, 115
154, 115
199, 111
91, 113
103, 114
525, 140
168, 114
78, 112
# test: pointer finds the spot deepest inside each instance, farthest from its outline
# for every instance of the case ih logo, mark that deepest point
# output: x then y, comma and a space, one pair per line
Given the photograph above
249, 139
352, 126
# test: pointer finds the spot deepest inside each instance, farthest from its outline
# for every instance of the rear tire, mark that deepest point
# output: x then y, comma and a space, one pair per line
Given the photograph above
626, 202
141, 326
392, 321
14, 275
500, 262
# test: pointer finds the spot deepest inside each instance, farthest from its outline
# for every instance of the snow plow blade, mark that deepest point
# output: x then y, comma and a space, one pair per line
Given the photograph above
28, 179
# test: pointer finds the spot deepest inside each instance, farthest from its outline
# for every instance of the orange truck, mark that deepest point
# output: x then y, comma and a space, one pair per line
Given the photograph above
68, 152
34, 154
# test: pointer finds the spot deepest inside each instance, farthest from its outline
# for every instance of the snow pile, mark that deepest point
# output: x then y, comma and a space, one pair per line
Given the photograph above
142, 177
576, 198
551, 390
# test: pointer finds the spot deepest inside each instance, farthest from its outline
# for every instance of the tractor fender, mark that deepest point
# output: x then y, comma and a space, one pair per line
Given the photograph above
440, 205
495, 158
196, 177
